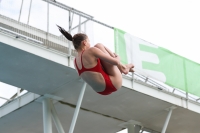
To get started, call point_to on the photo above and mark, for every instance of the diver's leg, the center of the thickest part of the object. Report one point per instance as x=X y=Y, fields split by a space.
x=112 y=70
x=129 y=67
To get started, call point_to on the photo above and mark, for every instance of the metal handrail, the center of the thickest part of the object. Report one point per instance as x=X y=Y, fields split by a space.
x=149 y=81
x=88 y=17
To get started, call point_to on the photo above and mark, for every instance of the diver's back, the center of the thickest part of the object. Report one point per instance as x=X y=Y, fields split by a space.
x=89 y=68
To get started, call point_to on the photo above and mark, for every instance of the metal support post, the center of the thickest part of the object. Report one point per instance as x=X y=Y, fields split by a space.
x=56 y=119
x=70 y=26
x=167 y=119
x=69 y=21
x=77 y=108
x=18 y=92
x=85 y=29
x=187 y=99
x=49 y=112
x=47 y=18
x=47 y=115
x=79 y=25
x=69 y=43
x=146 y=79
x=29 y=11
x=132 y=126
x=132 y=80
x=20 y=10
x=47 y=33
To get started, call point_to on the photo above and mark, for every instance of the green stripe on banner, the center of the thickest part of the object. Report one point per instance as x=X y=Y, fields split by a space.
x=192 y=72
x=158 y=63
x=179 y=71
x=174 y=73
x=120 y=45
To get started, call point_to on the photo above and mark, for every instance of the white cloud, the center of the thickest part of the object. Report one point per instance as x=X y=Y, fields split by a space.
x=6 y=91
x=10 y=8
x=171 y=24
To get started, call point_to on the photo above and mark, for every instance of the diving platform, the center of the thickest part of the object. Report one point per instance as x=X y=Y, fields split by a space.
x=134 y=101
x=42 y=64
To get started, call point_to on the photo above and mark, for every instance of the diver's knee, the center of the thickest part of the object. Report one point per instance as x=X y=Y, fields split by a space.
x=99 y=45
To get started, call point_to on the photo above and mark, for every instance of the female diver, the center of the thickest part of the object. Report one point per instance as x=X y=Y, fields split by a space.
x=97 y=65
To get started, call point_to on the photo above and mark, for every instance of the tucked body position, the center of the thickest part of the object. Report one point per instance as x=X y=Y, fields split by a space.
x=97 y=66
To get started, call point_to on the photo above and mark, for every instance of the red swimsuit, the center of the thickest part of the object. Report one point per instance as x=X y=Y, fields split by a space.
x=98 y=68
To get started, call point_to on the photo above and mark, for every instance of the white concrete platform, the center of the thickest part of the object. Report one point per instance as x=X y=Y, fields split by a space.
x=42 y=71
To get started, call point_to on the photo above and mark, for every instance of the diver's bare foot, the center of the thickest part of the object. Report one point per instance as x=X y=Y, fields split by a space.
x=123 y=68
x=130 y=67
x=131 y=70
